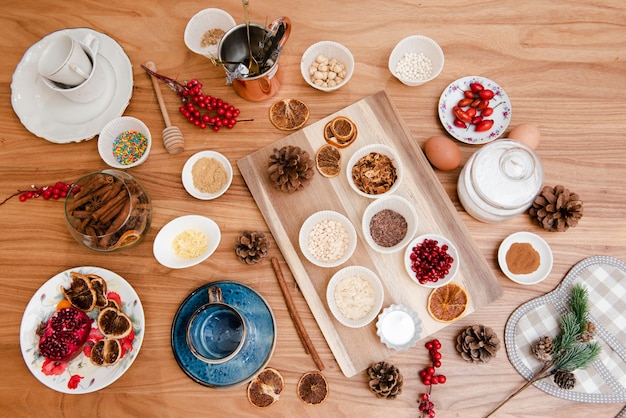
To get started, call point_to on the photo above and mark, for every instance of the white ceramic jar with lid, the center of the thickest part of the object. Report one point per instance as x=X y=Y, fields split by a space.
x=500 y=180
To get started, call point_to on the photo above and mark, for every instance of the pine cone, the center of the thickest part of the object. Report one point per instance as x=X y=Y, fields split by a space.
x=556 y=209
x=385 y=380
x=252 y=247
x=477 y=344
x=290 y=169
x=565 y=379
x=543 y=349
x=589 y=332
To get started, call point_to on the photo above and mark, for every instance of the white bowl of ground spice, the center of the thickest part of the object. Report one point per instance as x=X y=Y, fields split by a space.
x=525 y=258
x=389 y=224
x=207 y=175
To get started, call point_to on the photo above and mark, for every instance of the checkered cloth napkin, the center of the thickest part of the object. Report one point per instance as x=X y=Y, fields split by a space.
x=605 y=380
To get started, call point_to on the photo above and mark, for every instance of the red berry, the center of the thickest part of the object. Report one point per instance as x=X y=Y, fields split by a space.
x=442 y=378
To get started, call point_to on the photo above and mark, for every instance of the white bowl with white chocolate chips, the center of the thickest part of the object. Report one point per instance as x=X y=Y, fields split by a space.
x=327 y=65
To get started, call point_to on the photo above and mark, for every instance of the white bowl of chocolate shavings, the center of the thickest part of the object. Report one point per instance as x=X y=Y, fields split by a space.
x=389 y=224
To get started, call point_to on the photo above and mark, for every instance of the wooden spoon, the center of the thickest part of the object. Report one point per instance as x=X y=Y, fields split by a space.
x=172 y=136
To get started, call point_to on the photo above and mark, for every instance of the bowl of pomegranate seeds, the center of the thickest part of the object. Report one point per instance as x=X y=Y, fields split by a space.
x=431 y=260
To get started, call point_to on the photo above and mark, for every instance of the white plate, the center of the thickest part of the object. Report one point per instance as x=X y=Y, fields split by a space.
x=441 y=240
x=373 y=280
x=163 y=250
x=540 y=245
x=53 y=117
x=43 y=304
x=188 y=178
x=501 y=115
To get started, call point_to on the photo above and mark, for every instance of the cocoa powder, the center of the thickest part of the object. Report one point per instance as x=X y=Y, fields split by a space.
x=522 y=258
x=388 y=228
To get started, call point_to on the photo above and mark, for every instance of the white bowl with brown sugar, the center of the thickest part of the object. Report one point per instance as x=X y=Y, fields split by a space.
x=207 y=175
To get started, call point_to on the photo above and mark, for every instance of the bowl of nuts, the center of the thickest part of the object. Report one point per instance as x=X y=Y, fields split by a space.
x=431 y=260
x=205 y=30
x=327 y=65
x=327 y=238
x=374 y=171
x=415 y=60
x=389 y=224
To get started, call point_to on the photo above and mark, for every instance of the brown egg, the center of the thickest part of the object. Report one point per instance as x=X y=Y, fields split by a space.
x=527 y=134
x=442 y=152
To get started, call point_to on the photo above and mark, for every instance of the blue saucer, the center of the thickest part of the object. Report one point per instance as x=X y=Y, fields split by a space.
x=256 y=351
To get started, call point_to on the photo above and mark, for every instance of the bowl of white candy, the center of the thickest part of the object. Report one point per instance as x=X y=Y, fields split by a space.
x=416 y=60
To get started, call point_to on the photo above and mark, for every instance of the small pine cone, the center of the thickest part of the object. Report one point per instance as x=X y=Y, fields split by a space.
x=589 y=332
x=543 y=349
x=385 y=380
x=556 y=209
x=252 y=247
x=290 y=169
x=565 y=379
x=477 y=344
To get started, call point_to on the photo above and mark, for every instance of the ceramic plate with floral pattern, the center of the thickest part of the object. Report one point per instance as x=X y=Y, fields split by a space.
x=80 y=375
x=500 y=104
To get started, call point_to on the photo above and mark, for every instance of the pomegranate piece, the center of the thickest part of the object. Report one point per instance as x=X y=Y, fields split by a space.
x=64 y=335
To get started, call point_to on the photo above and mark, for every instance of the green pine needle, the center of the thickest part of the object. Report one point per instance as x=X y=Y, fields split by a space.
x=579 y=306
x=579 y=356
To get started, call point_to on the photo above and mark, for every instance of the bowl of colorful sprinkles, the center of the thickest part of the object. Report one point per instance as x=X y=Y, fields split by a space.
x=124 y=142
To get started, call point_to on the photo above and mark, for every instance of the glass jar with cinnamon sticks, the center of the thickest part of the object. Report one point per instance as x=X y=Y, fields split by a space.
x=108 y=211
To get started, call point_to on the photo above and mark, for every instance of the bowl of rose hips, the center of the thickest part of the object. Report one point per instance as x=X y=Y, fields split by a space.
x=416 y=60
x=431 y=260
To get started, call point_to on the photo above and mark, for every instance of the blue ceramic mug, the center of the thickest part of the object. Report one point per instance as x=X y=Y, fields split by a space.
x=216 y=331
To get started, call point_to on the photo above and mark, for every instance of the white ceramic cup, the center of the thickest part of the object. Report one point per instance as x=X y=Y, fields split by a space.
x=92 y=86
x=64 y=61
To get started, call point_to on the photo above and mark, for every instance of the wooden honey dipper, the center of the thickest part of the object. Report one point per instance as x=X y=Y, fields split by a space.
x=172 y=136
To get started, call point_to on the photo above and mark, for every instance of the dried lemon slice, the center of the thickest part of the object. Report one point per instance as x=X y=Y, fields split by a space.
x=328 y=160
x=289 y=114
x=312 y=388
x=448 y=302
x=265 y=389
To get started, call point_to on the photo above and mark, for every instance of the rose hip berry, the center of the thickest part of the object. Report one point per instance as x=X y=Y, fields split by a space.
x=429 y=378
x=430 y=262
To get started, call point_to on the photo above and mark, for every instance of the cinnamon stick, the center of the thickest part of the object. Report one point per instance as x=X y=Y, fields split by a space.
x=295 y=317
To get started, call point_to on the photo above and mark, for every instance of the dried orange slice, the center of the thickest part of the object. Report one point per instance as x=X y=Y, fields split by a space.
x=106 y=352
x=114 y=323
x=448 y=302
x=127 y=238
x=289 y=114
x=312 y=388
x=328 y=160
x=265 y=389
x=340 y=132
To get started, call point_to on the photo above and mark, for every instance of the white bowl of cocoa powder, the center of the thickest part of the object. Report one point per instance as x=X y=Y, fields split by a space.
x=389 y=224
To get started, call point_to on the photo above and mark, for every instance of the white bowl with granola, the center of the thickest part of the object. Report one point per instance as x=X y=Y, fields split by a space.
x=205 y=30
x=374 y=171
x=327 y=65
x=355 y=295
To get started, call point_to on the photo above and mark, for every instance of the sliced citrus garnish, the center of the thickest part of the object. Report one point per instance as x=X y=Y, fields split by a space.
x=448 y=302
x=328 y=160
x=106 y=352
x=81 y=293
x=289 y=114
x=114 y=323
x=340 y=132
x=312 y=388
x=265 y=389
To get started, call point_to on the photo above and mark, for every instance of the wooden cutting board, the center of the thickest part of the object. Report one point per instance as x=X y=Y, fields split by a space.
x=377 y=122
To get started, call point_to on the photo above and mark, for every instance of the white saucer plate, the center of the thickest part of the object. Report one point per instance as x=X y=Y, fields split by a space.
x=164 y=251
x=500 y=103
x=51 y=116
x=540 y=245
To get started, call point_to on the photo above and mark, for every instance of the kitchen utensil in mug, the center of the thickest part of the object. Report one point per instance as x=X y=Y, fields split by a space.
x=233 y=51
x=173 y=139
x=64 y=61
x=93 y=83
x=216 y=331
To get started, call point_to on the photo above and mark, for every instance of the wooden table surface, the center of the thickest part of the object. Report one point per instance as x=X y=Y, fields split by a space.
x=561 y=63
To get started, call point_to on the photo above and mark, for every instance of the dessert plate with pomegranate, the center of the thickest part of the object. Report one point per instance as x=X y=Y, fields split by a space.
x=82 y=330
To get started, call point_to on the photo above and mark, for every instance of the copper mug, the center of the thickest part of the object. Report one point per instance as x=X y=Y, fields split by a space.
x=233 y=52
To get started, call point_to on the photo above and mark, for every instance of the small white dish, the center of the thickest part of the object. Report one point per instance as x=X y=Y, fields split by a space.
x=187 y=176
x=163 y=242
x=108 y=142
x=417 y=44
x=501 y=115
x=397 y=204
x=441 y=240
x=315 y=219
x=399 y=327
x=53 y=117
x=330 y=50
x=380 y=149
x=204 y=21
x=540 y=245
x=376 y=287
